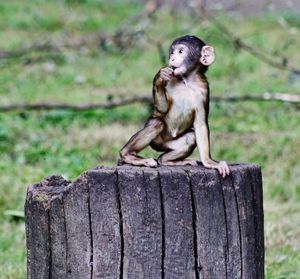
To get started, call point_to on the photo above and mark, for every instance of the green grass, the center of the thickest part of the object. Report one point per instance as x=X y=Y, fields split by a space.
x=34 y=145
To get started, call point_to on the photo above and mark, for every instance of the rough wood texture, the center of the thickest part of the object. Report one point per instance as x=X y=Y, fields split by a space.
x=130 y=222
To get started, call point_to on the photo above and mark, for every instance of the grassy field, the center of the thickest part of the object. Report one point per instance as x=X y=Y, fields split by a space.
x=34 y=145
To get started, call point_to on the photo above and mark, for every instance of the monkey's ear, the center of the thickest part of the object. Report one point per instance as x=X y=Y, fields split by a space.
x=207 y=55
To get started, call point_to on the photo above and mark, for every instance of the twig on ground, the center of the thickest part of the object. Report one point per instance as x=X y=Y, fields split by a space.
x=277 y=62
x=123 y=36
x=52 y=106
x=280 y=97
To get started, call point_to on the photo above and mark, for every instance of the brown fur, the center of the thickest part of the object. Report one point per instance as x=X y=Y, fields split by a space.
x=179 y=122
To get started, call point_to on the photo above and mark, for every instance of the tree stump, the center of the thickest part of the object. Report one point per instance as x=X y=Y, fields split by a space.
x=132 y=222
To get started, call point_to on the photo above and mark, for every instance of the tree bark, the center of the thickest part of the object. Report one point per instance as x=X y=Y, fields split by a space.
x=131 y=222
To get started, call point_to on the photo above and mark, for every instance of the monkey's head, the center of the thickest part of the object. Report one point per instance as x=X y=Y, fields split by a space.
x=188 y=52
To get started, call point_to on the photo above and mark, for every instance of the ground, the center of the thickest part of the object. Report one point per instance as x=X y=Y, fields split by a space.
x=34 y=145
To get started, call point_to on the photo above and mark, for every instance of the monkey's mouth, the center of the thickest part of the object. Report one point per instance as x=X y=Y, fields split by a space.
x=173 y=65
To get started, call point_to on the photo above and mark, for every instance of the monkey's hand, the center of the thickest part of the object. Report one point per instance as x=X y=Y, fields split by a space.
x=221 y=166
x=164 y=76
x=180 y=71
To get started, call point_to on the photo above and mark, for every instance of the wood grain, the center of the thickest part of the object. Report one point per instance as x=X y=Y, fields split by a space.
x=160 y=223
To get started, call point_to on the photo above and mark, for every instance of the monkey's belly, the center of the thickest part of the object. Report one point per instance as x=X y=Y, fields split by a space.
x=178 y=122
x=183 y=103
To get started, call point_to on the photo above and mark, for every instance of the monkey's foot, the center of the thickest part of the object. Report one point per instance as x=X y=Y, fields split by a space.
x=137 y=161
x=179 y=163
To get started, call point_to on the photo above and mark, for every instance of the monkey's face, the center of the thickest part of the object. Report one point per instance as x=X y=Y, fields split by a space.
x=178 y=57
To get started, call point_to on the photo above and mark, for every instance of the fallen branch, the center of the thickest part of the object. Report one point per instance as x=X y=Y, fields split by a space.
x=96 y=38
x=47 y=106
x=122 y=37
x=281 y=63
x=279 y=97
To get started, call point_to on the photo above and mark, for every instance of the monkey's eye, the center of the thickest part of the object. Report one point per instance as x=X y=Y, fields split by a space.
x=181 y=50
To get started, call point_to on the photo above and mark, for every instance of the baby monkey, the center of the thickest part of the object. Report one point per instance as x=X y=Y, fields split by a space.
x=179 y=122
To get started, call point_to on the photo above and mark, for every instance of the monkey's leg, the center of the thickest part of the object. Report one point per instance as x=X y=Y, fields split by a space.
x=179 y=149
x=139 y=141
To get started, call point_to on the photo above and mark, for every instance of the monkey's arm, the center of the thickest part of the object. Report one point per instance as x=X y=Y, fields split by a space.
x=202 y=138
x=159 y=89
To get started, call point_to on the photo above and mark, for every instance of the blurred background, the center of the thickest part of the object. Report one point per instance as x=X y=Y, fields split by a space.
x=75 y=84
